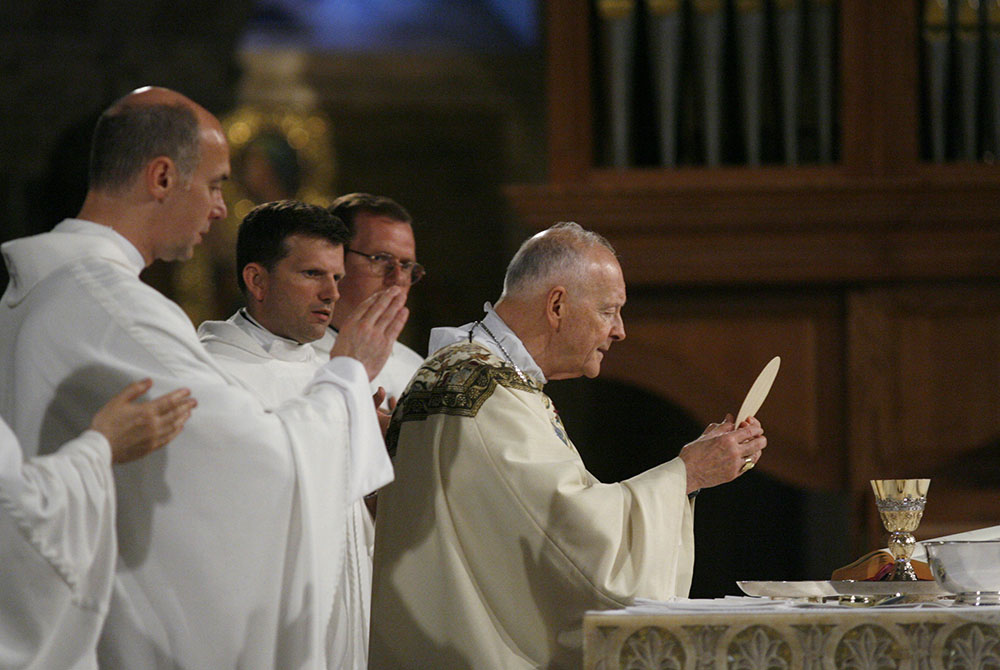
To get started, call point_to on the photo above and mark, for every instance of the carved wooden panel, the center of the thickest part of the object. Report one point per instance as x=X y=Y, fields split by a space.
x=792 y=226
x=924 y=399
x=702 y=351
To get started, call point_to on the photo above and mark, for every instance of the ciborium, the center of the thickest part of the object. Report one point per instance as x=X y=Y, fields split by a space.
x=901 y=503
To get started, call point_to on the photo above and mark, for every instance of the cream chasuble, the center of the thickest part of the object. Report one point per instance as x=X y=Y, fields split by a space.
x=57 y=552
x=494 y=539
x=225 y=535
x=275 y=369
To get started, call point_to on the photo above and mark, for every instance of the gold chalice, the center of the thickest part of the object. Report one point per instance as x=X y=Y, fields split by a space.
x=901 y=503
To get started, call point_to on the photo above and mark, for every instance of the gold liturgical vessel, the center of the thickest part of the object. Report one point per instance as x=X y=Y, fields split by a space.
x=901 y=503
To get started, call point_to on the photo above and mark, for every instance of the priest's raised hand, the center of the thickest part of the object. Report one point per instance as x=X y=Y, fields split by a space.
x=722 y=453
x=372 y=328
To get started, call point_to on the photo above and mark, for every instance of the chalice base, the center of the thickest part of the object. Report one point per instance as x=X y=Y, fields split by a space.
x=903 y=571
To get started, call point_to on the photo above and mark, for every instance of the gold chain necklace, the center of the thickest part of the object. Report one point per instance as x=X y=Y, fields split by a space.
x=502 y=348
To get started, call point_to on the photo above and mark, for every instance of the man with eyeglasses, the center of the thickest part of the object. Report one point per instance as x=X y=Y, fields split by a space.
x=290 y=256
x=381 y=253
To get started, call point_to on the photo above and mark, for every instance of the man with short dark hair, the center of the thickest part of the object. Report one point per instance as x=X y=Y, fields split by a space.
x=381 y=253
x=290 y=257
x=494 y=539
x=274 y=232
x=224 y=542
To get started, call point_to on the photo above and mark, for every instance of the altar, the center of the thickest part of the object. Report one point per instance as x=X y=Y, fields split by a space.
x=761 y=634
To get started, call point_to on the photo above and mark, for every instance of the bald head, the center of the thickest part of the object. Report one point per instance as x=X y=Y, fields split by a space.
x=157 y=167
x=145 y=124
x=557 y=255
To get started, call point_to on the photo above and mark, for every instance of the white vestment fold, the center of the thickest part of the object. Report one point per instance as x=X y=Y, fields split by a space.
x=275 y=369
x=494 y=539
x=399 y=368
x=57 y=552
x=225 y=536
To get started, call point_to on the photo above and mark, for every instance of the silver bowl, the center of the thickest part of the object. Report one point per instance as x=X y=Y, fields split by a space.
x=970 y=569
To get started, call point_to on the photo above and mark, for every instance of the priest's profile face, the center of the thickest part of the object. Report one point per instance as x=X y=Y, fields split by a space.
x=195 y=203
x=592 y=317
x=295 y=298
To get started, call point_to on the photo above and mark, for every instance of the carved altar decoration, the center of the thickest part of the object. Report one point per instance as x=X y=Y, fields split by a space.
x=782 y=637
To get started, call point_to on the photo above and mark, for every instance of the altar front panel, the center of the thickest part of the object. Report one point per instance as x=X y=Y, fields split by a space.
x=821 y=638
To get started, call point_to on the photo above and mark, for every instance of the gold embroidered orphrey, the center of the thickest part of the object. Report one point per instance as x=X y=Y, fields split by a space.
x=457 y=380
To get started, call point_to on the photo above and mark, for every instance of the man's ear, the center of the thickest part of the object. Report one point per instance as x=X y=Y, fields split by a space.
x=160 y=177
x=255 y=277
x=555 y=306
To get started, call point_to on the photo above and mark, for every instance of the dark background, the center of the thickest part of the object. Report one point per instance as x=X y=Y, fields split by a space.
x=438 y=112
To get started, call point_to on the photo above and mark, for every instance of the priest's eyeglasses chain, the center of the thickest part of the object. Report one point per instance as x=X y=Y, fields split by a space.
x=502 y=348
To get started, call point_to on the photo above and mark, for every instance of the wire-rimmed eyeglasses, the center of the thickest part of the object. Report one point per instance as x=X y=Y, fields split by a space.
x=384 y=263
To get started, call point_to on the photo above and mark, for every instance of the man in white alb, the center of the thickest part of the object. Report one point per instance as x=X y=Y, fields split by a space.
x=493 y=540
x=57 y=530
x=290 y=257
x=382 y=252
x=224 y=539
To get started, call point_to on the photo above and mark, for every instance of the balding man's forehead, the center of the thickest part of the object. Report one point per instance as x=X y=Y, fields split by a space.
x=157 y=95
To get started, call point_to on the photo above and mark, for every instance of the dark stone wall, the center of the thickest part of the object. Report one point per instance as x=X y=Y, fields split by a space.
x=440 y=132
x=61 y=63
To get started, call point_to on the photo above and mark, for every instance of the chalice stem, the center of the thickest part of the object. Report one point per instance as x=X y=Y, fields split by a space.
x=901 y=545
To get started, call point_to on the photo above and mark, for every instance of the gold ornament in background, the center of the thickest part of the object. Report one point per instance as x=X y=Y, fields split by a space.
x=276 y=153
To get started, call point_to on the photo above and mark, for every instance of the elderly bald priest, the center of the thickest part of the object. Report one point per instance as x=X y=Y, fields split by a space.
x=494 y=539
